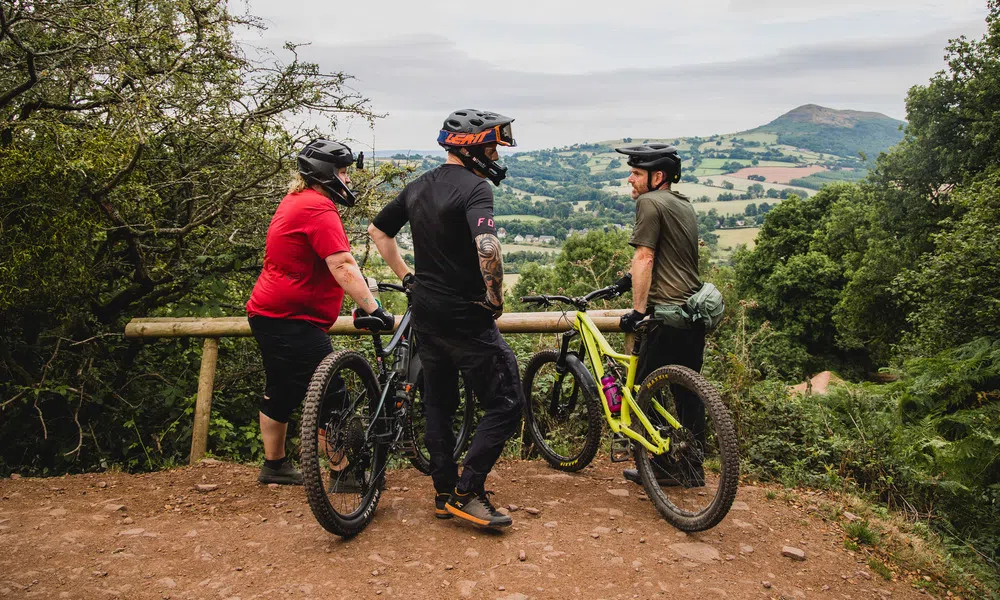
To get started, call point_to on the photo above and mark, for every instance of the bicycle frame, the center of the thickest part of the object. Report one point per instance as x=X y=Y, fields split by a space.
x=597 y=348
x=387 y=376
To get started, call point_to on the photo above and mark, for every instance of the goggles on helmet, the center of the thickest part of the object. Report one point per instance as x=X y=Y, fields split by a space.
x=501 y=135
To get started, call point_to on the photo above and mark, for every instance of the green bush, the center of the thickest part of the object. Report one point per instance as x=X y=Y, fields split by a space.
x=929 y=443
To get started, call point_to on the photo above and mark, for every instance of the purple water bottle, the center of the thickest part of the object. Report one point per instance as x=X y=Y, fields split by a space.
x=611 y=394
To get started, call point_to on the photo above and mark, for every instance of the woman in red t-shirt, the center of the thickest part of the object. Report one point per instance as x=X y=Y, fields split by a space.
x=307 y=268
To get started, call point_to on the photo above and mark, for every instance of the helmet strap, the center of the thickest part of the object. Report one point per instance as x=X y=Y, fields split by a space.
x=474 y=158
x=649 y=180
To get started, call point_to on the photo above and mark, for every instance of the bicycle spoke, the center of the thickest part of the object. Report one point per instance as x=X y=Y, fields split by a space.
x=693 y=484
x=564 y=424
x=341 y=463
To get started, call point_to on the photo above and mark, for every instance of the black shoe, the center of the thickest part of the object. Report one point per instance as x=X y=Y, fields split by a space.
x=476 y=508
x=440 y=510
x=286 y=474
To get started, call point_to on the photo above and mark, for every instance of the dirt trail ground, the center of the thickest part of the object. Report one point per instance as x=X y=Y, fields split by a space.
x=113 y=535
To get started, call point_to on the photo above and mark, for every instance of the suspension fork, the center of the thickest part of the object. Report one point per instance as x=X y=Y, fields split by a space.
x=561 y=369
x=567 y=338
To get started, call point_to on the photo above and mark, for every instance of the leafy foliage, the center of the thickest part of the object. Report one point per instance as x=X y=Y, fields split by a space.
x=141 y=154
x=956 y=291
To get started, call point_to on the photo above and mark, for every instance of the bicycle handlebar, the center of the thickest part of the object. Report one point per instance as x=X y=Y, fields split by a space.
x=580 y=302
x=390 y=287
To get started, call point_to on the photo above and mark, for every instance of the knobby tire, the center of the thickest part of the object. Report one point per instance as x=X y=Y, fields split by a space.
x=352 y=523
x=584 y=394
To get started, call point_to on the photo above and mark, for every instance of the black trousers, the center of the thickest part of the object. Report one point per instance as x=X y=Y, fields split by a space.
x=291 y=350
x=490 y=370
x=665 y=345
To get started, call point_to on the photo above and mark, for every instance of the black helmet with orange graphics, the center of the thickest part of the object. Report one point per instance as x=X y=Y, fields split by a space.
x=467 y=132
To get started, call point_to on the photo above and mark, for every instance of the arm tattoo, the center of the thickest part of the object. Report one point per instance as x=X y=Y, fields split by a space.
x=491 y=264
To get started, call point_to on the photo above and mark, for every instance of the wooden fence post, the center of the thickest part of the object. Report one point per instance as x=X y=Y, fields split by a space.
x=629 y=342
x=203 y=405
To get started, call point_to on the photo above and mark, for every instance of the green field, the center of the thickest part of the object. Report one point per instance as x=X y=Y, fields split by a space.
x=510 y=280
x=525 y=218
x=733 y=207
x=512 y=247
x=534 y=197
x=694 y=190
x=774 y=163
x=702 y=172
x=763 y=138
x=742 y=185
x=716 y=163
x=731 y=238
x=805 y=155
x=710 y=146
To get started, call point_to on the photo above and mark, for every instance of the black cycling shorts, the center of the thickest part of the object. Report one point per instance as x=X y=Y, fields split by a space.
x=291 y=350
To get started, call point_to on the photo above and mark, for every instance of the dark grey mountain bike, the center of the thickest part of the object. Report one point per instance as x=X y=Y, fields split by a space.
x=353 y=420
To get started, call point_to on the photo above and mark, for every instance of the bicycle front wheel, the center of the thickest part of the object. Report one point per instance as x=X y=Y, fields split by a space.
x=343 y=464
x=692 y=485
x=562 y=414
x=462 y=423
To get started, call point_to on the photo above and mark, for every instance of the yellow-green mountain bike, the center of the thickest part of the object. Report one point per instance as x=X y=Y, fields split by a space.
x=690 y=473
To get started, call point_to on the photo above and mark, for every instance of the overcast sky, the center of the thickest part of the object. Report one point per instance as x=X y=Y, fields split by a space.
x=586 y=71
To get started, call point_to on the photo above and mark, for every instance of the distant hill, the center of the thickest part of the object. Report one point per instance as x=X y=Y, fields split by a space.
x=438 y=152
x=831 y=131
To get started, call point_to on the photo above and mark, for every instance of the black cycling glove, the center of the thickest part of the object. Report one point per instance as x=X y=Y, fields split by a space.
x=629 y=320
x=623 y=285
x=386 y=317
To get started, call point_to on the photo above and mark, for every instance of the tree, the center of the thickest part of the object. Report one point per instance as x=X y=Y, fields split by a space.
x=586 y=262
x=955 y=291
x=141 y=155
x=952 y=131
x=728 y=185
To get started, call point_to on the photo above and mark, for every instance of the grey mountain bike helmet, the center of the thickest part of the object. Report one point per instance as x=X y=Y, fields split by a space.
x=652 y=158
x=472 y=129
x=318 y=164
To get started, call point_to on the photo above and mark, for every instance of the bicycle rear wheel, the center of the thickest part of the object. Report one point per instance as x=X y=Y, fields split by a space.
x=694 y=484
x=342 y=463
x=562 y=414
x=462 y=424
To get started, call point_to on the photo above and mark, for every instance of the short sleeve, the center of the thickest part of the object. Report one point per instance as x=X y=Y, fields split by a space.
x=647 y=224
x=479 y=211
x=326 y=233
x=393 y=216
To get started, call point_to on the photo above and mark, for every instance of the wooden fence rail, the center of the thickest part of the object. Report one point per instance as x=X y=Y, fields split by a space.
x=214 y=328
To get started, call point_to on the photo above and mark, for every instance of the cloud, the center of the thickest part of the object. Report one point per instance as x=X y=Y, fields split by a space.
x=419 y=79
x=589 y=71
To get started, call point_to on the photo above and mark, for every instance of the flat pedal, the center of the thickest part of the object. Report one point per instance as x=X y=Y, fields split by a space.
x=621 y=448
x=407 y=449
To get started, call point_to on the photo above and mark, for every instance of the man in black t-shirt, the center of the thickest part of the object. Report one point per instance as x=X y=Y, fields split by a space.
x=457 y=294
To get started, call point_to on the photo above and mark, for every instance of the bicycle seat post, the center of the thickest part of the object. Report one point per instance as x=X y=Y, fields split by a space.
x=633 y=341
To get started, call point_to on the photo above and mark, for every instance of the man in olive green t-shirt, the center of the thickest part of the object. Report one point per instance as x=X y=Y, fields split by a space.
x=665 y=271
